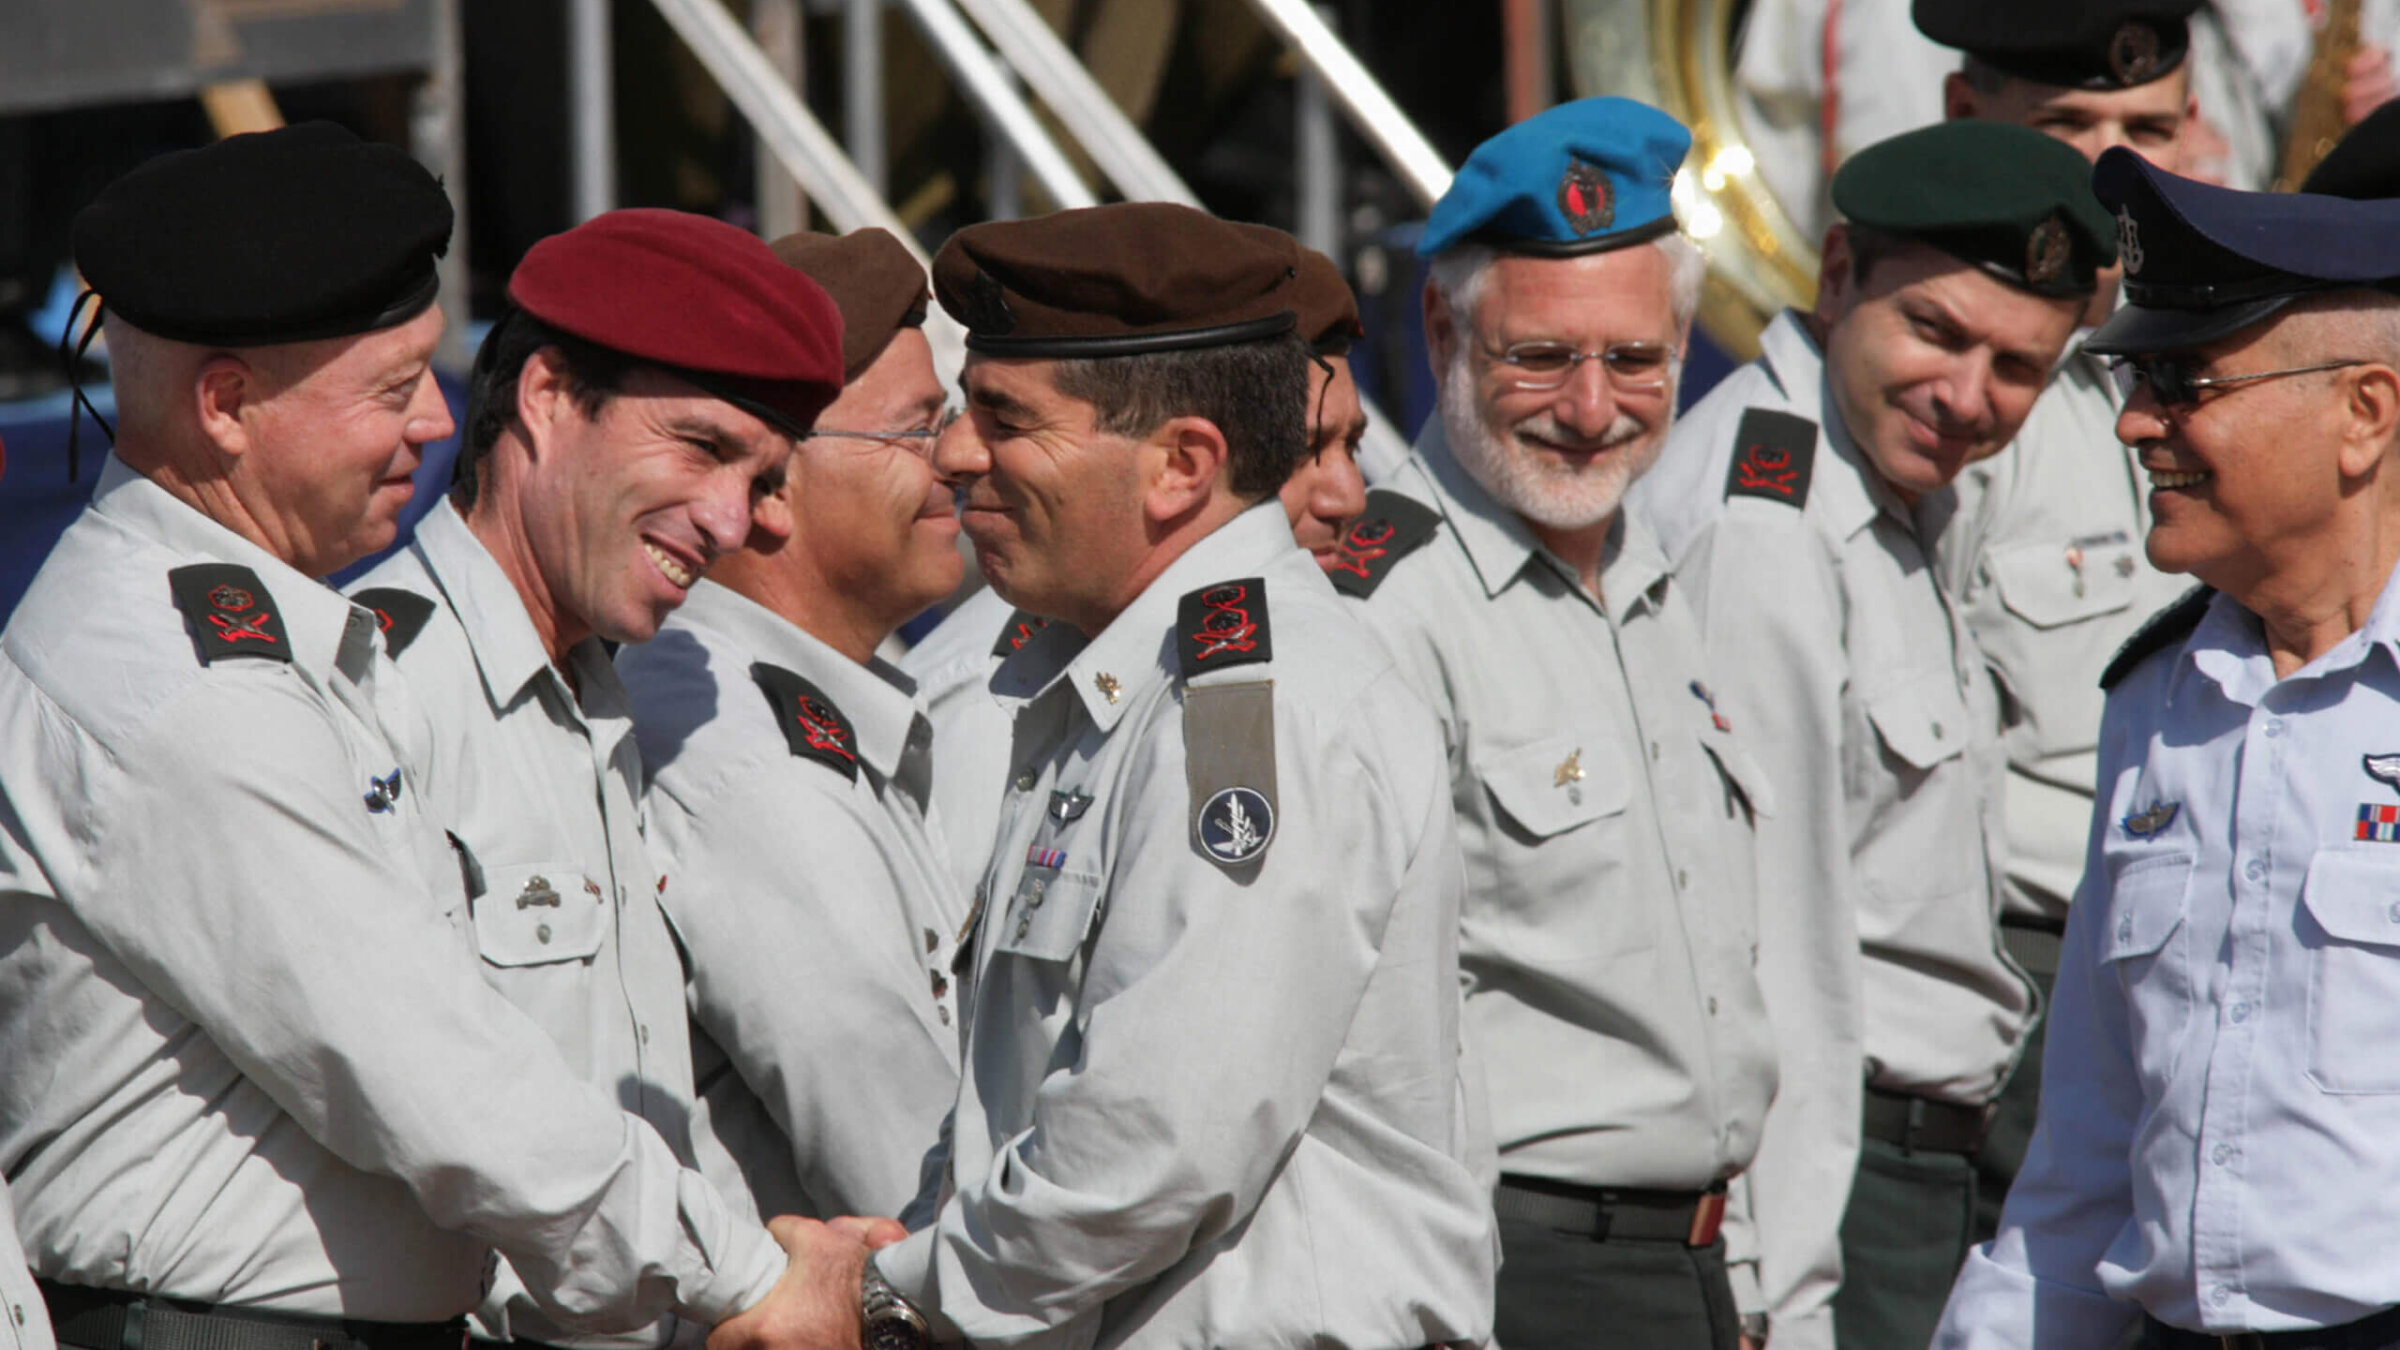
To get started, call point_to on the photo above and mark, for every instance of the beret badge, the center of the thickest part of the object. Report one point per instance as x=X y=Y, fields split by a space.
x=2047 y=251
x=2133 y=54
x=1585 y=198
x=987 y=306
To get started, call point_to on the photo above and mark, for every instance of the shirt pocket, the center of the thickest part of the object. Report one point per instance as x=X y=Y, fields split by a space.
x=2145 y=945
x=1050 y=915
x=1539 y=886
x=1926 y=848
x=2039 y=584
x=1921 y=720
x=2353 y=894
x=539 y=914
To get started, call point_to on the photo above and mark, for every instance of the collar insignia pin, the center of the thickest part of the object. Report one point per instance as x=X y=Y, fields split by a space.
x=1107 y=685
x=1068 y=806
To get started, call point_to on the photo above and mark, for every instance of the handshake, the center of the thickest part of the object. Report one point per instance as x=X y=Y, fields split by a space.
x=816 y=1304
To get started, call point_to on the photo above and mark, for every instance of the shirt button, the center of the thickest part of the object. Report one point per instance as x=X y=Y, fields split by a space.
x=1683 y=880
x=642 y=1033
x=1712 y=1005
x=2255 y=870
x=1937 y=731
x=944 y=1014
x=1025 y=781
x=542 y=931
x=1654 y=752
x=2275 y=726
x=2241 y=1012
x=2125 y=930
x=2221 y=1154
x=2221 y=1295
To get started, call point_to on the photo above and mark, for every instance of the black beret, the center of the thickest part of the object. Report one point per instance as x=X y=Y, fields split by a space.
x=2010 y=200
x=1117 y=280
x=2365 y=163
x=290 y=235
x=2076 y=44
x=874 y=280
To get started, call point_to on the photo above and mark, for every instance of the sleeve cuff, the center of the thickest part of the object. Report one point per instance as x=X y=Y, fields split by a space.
x=744 y=1278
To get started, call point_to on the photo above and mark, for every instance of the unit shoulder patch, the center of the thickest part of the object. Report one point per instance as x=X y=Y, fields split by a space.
x=2165 y=628
x=812 y=726
x=1774 y=455
x=401 y=614
x=229 y=613
x=1020 y=630
x=1222 y=626
x=1392 y=527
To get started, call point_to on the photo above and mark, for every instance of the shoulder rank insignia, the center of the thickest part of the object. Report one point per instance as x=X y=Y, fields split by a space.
x=229 y=612
x=1020 y=630
x=401 y=614
x=2165 y=628
x=1774 y=453
x=812 y=726
x=1221 y=626
x=1391 y=528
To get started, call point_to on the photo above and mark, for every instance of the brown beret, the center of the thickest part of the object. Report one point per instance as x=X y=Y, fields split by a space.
x=1117 y=280
x=873 y=279
x=1328 y=309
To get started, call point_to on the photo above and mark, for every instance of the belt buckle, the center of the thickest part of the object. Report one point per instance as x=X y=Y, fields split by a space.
x=1707 y=1217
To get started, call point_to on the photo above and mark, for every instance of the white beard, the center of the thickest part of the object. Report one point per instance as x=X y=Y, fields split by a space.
x=1544 y=490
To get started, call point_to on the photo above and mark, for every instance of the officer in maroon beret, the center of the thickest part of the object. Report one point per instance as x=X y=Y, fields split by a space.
x=629 y=423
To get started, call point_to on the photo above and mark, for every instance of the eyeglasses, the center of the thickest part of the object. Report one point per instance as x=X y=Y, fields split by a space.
x=915 y=440
x=2170 y=377
x=1635 y=367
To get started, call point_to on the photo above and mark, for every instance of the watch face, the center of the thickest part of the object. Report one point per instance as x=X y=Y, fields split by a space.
x=896 y=1333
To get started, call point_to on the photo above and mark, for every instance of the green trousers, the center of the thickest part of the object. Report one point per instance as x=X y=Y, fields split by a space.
x=1904 y=1236
x=1561 y=1289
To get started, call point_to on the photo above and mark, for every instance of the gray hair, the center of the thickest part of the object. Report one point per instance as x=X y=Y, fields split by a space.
x=1458 y=272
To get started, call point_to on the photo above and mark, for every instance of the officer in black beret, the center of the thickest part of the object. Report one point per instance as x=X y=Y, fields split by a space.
x=2217 y=1151
x=1799 y=501
x=259 y=1096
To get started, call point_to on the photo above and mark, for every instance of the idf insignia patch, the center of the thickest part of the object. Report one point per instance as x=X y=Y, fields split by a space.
x=2150 y=823
x=2378 y=824
x=1392 y=527
x=1020 y=630
x=228 y=612
x=1222 y=626
x=1236 y=825
x=1774 y=454
x=812 y=726
x=401 y=614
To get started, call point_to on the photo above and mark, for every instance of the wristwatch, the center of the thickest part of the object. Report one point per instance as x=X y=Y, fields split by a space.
x=1754 y=1327
x=886 y=1320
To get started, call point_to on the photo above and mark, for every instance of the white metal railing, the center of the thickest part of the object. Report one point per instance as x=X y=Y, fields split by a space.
x=1372 y=112
x=1058 y=77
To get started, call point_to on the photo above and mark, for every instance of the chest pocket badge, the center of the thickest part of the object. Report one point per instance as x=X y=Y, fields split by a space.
x=1052 y=911
x=2050 y=585
x=539 y=914
x=1557 y=783
x=1921 y=720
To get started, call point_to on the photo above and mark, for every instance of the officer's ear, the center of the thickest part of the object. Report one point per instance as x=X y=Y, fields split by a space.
x=1441 y=329
x=1834 y=280
x=2373 y=405
x=544 y=395
x=1187 y=458
x=222 y=389
x=1960 y=102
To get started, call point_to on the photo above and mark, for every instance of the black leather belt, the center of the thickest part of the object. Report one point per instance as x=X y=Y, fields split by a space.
x=2034 y=941
x=2375 y=1331
x=1921 y=1124
x=110 y=1319
x=1614 y=1213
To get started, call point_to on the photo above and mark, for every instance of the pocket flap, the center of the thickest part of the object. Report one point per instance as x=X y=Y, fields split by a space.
x=2042 y=584
x=1558 y=783
x=1921 y=719
x=2354 y=893
x=535 y=914
x=1050 y=915
x=1744 y=773
x=2145 y=905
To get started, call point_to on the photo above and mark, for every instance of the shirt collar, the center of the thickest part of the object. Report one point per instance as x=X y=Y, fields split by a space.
x=1499 y=543
x=325 y=629
x=2229 y=646
x=878 y=701
x=1850 y=496
x=508 y=652
x=1137 y=648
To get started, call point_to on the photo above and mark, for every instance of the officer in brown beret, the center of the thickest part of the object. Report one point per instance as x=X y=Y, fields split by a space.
x=629 y=422
x=1211 y=1091
x=789 y=773
x=953 y=665
x=259 y=1094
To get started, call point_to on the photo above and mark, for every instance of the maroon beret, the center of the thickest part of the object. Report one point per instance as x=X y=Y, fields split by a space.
x=1328 y=309
x=1117 y=280
x=709 y=302
x=878 y=284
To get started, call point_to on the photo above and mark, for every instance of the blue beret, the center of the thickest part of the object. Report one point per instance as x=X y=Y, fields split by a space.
x=1584 y=176
x=2203 y=262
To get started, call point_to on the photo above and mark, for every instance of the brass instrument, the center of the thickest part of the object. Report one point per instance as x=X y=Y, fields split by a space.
x=2317 y=110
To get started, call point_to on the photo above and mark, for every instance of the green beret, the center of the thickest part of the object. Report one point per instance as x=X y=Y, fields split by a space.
x=2010 y=200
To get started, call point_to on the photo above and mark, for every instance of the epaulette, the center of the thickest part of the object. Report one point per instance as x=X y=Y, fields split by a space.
x=229 y=612
x=812 y=726
x=1228 y=725
x=1221 y=626
x=401 y=614
x=1020 y=630
x=1392 y=527
x=1774 y=454
x=2163 y=629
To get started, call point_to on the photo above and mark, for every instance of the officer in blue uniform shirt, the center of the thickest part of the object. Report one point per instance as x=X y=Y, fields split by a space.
x=2220 y=1134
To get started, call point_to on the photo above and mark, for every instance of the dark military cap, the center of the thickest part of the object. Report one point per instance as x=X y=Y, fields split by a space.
x=874 y=280
x=290 y=235
x=2010 y=200
x=1327 y=307
x=1117 y=280
x=2203 y=262
x=2365 y=163
x=2077 y=44
x=1582 y=177
x=707 y=301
